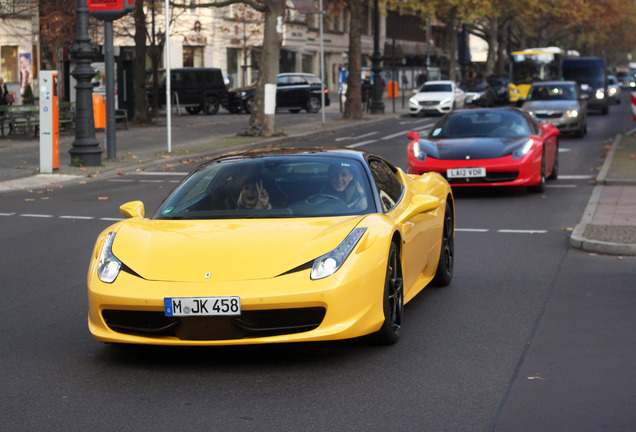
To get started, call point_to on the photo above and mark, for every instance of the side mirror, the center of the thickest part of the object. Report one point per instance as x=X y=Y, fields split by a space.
x=133 y=209
x=419 y=204
x=413 y=136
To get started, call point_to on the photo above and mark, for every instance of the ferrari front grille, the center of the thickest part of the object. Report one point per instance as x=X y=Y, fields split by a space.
x=259 y=323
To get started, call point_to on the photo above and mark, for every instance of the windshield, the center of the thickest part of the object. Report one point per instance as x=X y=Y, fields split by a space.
x=527 y=68
x=271 y=187
x=427 y=88
x=481 y=124
x=552 y=92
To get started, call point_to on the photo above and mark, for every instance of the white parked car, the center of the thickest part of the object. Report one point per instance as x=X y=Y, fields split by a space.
x=437 y=97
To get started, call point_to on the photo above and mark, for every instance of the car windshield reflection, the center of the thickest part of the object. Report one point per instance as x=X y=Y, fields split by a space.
x=271 y=187
x=481 y=124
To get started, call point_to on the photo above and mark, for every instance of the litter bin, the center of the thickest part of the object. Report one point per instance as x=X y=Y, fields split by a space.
x=392 y=89
x=99 y=111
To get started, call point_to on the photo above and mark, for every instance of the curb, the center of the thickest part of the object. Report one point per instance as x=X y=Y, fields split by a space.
x=577 y=238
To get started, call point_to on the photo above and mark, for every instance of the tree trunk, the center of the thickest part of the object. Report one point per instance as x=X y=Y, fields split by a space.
x=260 y=123
x=353 y=104
x=493 y=33
x=141 y=109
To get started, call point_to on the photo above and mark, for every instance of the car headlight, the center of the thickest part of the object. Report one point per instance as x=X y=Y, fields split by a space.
x=418 y=152
x=329 y=263
x=632 y=84
x=518 y=154
x=413 y=101
x=612 y=91
x=445 y=101
x=109 y=266
x=572 y=113
x=600 y=94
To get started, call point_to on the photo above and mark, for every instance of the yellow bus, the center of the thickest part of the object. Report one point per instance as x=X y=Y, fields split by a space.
x=534 y=64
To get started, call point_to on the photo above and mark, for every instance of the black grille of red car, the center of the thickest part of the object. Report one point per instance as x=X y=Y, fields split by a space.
x=491 y=177
x=258 y=323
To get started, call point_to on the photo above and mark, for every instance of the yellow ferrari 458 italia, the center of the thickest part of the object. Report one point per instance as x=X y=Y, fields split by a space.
x=270 y=246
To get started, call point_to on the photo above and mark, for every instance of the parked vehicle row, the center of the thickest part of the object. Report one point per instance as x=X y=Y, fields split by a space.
x=205 y=90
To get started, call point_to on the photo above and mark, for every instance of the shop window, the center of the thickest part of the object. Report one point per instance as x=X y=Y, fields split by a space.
x=9 y=63
x=192 y=56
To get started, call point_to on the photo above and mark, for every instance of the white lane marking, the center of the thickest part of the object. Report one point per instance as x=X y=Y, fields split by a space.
x=160 y=173
x=122 y=180
x=77 y=217
x=399 y=134
x=7 y=214
x=511 y=231
x=556 y=186
x=360 y=144
x=111 y=219
x=564 y=150
x=481 y=230
x=36 y=215
x=355 y=137
x=576 y=177
x=151 y=181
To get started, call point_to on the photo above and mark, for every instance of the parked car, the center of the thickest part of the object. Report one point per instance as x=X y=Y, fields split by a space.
x=614 y=89
x=294 y=92
x=500 y=85
x=589 y=73
x=478 y=93
x=341 y=242
x=487 y=147
x=196 y=89
x=560 y=103
x=438 y=97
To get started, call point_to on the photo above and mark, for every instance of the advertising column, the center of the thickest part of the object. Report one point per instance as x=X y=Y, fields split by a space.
x=49 y=122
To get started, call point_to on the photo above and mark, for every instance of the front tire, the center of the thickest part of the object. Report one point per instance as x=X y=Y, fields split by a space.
x=211 y=105
x=540 y=188
x=393 y=300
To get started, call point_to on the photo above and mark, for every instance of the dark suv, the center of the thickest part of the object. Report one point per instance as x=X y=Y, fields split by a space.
x=589 y=73
x=294 y=92
x=196 y=89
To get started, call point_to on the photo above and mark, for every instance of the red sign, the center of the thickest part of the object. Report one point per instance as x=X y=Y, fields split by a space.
x=109 y=10
x=105 y=5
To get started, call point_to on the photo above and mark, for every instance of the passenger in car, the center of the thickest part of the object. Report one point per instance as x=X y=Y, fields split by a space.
x=254 y=195
x=343 y=185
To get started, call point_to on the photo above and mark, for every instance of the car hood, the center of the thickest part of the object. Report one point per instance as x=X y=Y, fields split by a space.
x=472 y=148
x=431 y=96
x=556 y=105
x=228 y=250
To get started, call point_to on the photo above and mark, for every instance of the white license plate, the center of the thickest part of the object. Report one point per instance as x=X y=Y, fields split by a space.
x=202 y=306
x=466 y=172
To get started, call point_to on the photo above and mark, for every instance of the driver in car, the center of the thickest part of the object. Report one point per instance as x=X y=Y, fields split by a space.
x=254 y=195
x=345 y=187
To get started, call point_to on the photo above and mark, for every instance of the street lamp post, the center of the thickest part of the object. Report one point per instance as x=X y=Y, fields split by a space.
x=85 y=150
x=377 y=106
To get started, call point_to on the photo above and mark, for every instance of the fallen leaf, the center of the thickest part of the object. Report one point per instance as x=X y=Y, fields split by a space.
x=568 y=229
x=631 y=156
x=102 y=198
x=29 y=199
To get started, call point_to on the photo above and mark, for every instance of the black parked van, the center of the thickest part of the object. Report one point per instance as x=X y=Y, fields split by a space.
x=589 y=73
x=196 y=89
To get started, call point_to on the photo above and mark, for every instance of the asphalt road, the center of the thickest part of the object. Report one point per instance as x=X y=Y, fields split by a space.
x=474 y=356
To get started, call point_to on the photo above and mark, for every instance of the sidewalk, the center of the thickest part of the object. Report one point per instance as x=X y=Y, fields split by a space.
x=608 y=225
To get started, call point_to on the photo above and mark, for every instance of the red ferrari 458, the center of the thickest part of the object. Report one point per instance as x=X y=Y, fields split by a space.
x=488 y=147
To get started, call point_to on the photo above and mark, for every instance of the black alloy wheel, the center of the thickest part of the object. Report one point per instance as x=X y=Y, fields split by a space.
x=445 y=266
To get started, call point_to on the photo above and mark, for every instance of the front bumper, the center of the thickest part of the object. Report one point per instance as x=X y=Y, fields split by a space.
x=287 y=308
x=504 y=171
